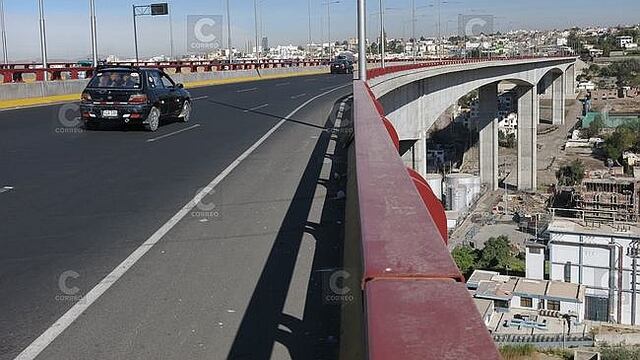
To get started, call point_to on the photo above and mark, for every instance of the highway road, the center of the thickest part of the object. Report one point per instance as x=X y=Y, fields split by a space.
x=205 y=240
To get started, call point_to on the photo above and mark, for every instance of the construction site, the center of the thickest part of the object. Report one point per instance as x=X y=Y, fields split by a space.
x=607 y=200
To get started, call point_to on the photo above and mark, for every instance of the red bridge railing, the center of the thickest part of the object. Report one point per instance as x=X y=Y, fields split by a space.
x=376 y=72
x=415 y=302
x=13 y=73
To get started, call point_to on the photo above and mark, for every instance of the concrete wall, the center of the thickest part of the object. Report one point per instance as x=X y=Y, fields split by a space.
x=53 y=88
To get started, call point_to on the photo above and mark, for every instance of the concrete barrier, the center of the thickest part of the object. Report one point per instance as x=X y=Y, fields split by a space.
x=33 y=90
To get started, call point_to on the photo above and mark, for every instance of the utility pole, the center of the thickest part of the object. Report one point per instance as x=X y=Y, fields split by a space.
x=5 y=52
x=94 y=36
x=362 y=39
x=383 y=41
x=43 y=38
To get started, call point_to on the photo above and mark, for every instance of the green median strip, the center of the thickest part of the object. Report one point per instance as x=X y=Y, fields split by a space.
x=48 y=100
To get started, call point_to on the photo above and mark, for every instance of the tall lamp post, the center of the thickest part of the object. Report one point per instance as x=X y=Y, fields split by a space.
x=43 y=38
x=229 y=32
x=5 y=52
x=94 y=36
x=362 y=40
x=255 y=12
x=383 y=39
x=329 y=3
x=309 y=40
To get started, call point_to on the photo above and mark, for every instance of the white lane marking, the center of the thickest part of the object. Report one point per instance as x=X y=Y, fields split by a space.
x=199 y=98
x=257 y=108
x=174 y=133
x=6 y=189
x=44 y=340
x=298 y=96
x=283 y=84
x=326 y=88
x=247 y=90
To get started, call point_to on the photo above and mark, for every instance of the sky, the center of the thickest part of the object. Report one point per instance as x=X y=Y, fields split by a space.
x=284 y=22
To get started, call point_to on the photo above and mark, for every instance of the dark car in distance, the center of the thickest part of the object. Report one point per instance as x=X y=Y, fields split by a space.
x=341 y=67
x=132 y=95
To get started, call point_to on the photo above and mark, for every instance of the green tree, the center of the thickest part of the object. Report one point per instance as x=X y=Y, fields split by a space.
x=625 y=137
x=496 y=254
x=465 y=257
x=572 y=174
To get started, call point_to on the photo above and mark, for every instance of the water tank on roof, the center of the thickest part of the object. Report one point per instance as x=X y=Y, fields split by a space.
x=435 y=183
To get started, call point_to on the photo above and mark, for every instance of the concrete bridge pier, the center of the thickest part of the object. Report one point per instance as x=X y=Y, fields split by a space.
x=558 y=99
x=488 y=125
x=528 y=117
x=570 y=82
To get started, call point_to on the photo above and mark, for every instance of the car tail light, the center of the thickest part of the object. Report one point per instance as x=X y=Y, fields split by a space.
x=138 y=99
x=86 y=97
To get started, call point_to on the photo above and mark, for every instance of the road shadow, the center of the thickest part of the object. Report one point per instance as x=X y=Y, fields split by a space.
x=317 y=334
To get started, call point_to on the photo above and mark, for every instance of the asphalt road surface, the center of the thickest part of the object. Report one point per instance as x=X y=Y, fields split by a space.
x=205 y=240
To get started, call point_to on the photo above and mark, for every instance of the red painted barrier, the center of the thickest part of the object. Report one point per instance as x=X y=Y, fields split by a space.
x=14 y=72
x=416 y=305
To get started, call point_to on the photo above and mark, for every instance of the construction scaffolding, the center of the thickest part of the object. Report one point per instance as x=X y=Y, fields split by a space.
x=608 y=200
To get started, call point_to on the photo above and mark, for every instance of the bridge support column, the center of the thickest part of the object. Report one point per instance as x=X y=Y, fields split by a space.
x=488 y=124
x=528 y=116
x=570 y=82
x=558 y=94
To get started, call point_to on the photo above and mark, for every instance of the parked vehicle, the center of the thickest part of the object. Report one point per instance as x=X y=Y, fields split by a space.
x=133 y=95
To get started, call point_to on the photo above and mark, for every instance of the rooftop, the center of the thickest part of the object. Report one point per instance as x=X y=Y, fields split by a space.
x=491 y=285
x=576 y=226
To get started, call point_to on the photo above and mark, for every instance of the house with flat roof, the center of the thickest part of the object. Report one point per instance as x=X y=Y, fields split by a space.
x=511 y=292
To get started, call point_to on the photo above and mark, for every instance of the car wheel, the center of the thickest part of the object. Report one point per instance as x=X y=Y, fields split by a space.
x=153 y=120
x=185 y=115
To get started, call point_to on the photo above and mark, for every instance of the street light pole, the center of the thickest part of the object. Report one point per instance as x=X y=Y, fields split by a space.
x=255 y=11
x=229 y=32
x=135 y=34
x=383 y=41
x=94 y=35
x=413 y=29
x=329 y=27
x=43 y=37
x=171 y=45
x=362 y=39
x=5 y=52
x=309 y=40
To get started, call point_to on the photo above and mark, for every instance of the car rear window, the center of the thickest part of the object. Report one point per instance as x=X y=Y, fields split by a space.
x=116 y=79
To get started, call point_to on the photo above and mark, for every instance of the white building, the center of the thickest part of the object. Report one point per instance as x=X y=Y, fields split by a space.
x=512 y=293
x=586 y=85
x=623 y=41
x=595 y=257
x=509 y=124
